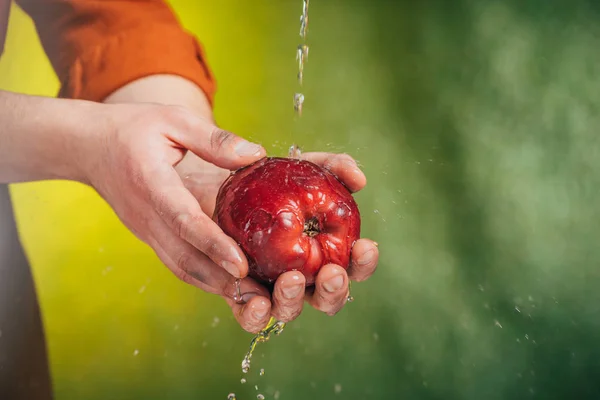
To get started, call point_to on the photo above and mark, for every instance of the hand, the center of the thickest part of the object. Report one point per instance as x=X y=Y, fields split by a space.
x=132 y=166
x=203 y=179
x=331 y=289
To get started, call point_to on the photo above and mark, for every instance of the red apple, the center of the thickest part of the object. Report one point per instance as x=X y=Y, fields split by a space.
x=288 y=215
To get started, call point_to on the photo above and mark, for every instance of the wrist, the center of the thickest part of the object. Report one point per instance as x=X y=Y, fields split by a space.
x=44 y=138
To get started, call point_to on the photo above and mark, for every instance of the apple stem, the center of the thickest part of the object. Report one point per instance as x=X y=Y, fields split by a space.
x=311 y=227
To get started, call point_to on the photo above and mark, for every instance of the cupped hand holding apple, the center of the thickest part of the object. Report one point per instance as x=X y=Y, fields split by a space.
x=326 y=287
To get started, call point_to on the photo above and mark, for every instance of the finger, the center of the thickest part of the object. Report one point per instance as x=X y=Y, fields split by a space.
x=250 y=304
x=253 y=315
x=183 y=215
x=247 y=299
x=188 y=263
x=213 y=144
x=251 y=310
x=190 y=269
x=288 y=296
x=341 y=165
x=331 y=290
x=365 y=256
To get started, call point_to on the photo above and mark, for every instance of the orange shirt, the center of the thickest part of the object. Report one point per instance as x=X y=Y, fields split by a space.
x=97 y=46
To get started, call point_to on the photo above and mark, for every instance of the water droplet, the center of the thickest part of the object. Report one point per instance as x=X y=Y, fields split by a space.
x=262 y=372
x=498 y=324
x=298 y=103
x=243 y=380
x=246 y=365
x=256 y=387
x=231 y=396
x=237 y=293
x=350 y=298
x=276 y=395
x=142 y=289
x=376 y=337
x=260 y=397
x=337 y=388
x=136 y=352
x=517 y=309
x=215 y=322
x=294 y=152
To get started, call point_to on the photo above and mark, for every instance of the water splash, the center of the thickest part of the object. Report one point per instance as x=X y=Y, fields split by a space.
x=274 y=327
x=262 y=372
x=294 y=151
x=231 y=396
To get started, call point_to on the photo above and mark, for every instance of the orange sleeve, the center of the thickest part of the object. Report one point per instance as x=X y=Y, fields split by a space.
x=97 y=46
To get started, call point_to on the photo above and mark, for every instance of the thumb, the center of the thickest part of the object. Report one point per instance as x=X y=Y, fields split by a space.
x=215 y=145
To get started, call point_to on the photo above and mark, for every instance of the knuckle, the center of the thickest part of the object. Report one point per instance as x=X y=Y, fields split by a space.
x=181 y=224
x=287 y=311
x=332 y=312
x=183 y=261
x=210 y=247
x=288 y=314
x=338 y=161
x=183 y=275
x=219 y=138
x=346 y=158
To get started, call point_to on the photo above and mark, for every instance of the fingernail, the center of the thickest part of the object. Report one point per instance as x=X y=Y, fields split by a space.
x=246 y=149
x=376 y=244
x=365 y=258
x=291 y=292
x=334 y=283
x=231 y=268
x=260 y=310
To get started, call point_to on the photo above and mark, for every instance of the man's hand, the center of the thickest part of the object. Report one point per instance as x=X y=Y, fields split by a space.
x=132 y=166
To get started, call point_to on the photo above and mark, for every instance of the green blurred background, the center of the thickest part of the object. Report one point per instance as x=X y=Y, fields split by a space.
x=477 y=125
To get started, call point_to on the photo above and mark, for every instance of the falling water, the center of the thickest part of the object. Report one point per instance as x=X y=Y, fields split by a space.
x=276 y=327
x=301 y=57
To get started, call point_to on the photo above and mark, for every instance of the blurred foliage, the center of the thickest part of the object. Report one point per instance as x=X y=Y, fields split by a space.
x=477 y=125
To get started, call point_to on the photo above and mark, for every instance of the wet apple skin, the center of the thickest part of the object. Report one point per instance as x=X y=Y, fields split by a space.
x=288 y=215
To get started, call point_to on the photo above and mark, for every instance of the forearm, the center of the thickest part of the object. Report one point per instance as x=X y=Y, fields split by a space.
x=41 y=138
